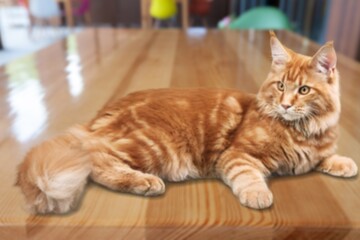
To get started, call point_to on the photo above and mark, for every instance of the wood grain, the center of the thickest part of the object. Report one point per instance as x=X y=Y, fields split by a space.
x=43 y=94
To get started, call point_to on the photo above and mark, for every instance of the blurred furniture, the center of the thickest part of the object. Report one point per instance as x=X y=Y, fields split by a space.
x=320 y=20
x=44 y=11
x=127 y=13
x=201 y=9
x=162 y=9
x=83 y=10
x=68 y=12
x=313 y=206
x=146 y=21
x=261 y=18
x=5 y=3
x=15 y=23
x=344 y=27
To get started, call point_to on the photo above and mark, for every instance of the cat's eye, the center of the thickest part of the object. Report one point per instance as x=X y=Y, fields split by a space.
x=304 y=90
x=281 y=86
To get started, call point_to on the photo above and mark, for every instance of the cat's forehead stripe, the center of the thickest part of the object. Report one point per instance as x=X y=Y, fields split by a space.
x=295 y=73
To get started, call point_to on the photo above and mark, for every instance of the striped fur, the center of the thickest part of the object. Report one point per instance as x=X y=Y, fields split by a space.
x=168 y=134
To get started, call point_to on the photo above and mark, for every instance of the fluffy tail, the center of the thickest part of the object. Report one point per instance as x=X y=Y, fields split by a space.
x=54 y=174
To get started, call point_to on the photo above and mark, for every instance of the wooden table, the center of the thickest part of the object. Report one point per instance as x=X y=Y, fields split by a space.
x=43 y=94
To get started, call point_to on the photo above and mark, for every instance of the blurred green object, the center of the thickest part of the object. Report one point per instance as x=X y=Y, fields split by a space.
x=261 y=18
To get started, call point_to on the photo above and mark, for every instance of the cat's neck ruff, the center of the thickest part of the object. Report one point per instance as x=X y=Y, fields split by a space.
x=307 y=127
x=316 y=127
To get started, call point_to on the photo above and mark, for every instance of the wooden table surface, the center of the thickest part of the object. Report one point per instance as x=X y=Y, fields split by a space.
x=43 y=94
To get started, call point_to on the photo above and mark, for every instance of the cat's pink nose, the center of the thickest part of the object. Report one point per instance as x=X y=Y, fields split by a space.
x=286 y=106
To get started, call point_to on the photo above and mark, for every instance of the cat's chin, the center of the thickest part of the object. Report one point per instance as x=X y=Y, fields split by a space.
x=289 y=117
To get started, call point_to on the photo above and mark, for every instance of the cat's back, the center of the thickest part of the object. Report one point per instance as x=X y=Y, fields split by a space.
x=185 y=99
x=193 y=126
x=185 y=106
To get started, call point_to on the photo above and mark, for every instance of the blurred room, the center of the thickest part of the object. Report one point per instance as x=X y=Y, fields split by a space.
x=29 y=25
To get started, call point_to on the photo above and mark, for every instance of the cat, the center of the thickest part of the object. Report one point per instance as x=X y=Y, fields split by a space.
x=288 y=128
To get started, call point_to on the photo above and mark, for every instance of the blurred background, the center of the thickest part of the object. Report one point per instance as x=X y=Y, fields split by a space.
x=29 y=25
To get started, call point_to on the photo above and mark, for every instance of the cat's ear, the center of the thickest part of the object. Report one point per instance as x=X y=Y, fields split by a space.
x=280 y=55
x=324 y=60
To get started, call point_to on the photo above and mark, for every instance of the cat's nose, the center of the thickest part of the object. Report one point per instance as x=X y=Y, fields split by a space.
x=286 y=106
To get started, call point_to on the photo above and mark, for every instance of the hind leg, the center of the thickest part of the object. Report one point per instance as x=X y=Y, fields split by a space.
x=116 y=175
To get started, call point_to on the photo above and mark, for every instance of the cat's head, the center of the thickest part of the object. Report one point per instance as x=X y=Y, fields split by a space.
x=302 y=89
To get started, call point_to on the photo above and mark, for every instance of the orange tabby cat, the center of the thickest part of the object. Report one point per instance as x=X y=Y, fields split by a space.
x=289 y=127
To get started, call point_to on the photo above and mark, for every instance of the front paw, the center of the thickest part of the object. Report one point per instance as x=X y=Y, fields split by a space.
x=339 y=166
x=257 y=198
x=149 y=185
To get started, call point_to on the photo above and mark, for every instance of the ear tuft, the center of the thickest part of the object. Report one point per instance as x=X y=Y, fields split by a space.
x=325 y=59
x=279 y=53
